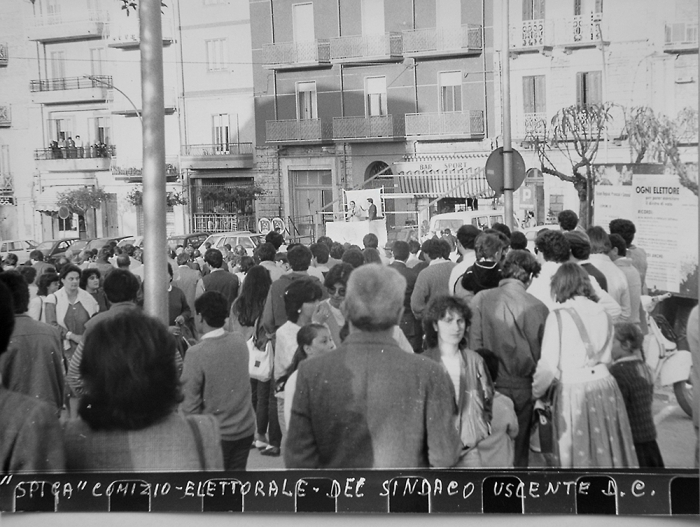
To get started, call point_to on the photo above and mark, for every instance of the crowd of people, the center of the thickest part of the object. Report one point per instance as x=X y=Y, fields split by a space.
x=393 y=358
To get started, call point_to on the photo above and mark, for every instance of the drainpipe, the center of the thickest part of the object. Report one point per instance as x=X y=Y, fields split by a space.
x=483 y=61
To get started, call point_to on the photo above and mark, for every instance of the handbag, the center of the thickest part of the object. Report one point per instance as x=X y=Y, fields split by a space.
x=542 y=430
x=259 y=361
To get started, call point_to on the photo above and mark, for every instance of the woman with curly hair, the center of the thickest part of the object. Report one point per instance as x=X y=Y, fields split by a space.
x=446 y=323
x=90 y=282
x=591 y=426
x=128 y=415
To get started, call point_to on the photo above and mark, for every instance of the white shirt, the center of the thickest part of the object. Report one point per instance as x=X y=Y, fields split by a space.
x=458 y=270
x=617 y=283
x=213 y=334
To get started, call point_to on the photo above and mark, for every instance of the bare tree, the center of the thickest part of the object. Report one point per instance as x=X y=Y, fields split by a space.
x=658 y=139
x=576 y=132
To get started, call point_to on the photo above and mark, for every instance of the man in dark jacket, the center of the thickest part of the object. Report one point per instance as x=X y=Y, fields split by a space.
x=218 y=279
x=410 y=326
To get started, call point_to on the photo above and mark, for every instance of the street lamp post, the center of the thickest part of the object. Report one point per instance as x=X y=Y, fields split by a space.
x=110 y=85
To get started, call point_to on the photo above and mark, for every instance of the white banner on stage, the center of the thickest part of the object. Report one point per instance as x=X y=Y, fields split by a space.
x=357 y=204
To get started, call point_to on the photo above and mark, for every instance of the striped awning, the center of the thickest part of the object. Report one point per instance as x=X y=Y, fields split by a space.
x=445 y=176
x=46 y=202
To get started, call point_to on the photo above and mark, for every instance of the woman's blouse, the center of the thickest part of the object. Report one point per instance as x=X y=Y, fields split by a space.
x=76 y=317
x=573 y=356
x=285 y=347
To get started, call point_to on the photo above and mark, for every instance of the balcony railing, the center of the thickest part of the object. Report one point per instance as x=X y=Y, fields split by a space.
x=76 y=152
x=298 y=130
x=5 y=115
x=207 y=222
x=681 y=36
x=68 y=26
x=125 y=34
x=4 y=54
x=582 y=31
x=69 y=83
x=469 y=123
x=530 y=126
x=374 y=127
x=532 y=34
x=223 y=149
x=297 y=54
x=370 y=47
x=443 y=41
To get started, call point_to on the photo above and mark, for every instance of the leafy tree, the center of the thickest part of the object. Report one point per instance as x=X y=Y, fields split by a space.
x=80 y=200
x=135 y=197
x=576 y=132
x=128 y=5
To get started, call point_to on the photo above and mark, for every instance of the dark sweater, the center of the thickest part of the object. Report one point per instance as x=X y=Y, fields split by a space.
x=636 y=383
x=482 y=275
x=223 y=282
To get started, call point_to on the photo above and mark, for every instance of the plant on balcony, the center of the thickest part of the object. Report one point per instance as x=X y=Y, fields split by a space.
x=219 y=194
x=80 y=200
x=576 y=132
x=656 y=138
x=135 y=197
x=128 y=5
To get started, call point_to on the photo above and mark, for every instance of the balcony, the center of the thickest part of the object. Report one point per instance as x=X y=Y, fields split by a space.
x=292 y=131
x=681 y=37
x=68 y=26
x=297 y=55
x=87 y=158
x=217 y=156
x=532 y=36
x=456 y=125
x=371 y=48
x=7 y=190
x=4 y=54
x=5 y=116
x=122 y=106
x=582 y=31
x=443 y=42
x=125 y=34
x=529 y=126
x=70 y=90
x=378 y=127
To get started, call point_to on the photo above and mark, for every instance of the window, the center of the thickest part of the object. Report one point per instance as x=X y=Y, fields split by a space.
x=306 y=101
x=303 y=22
x=217 y=57
x=375 y=99
x=96 y=56
x=221 y=132
x=589 y=87
x=58 y=59
x=534 y=94
x=449 y=13
x=372 y=17
x=99 y=130
x=533 y=9
x=60 y=129
x=582 y=7
x=450 y=91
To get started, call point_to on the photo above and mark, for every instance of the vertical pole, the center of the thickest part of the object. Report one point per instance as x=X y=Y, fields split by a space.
x=156 y=276
x=507 y=148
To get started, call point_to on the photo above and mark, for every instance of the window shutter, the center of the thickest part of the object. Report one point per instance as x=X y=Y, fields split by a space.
x=598 y=6
x=580 y=79
x=577 y=7
x=527 y=10
x=594 y=87
x=528 y=95
x=540 y=95
x=538 y=10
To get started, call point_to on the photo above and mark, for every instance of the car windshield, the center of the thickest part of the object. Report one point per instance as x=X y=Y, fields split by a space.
x=79 y=245
x=45 y=246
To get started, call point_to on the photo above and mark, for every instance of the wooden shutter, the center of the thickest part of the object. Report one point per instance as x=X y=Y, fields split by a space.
x=594 y=87
x=538 y=9
x=580 y=76
x=598 y=6
x=540 y=95
x=577 y=7
x=528 y=94
x=527 y=10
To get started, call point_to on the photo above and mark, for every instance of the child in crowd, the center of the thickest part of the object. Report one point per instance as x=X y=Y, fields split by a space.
x=497 y=449
x=636 y=383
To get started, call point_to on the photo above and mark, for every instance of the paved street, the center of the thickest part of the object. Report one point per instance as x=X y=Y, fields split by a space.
x=675 y=436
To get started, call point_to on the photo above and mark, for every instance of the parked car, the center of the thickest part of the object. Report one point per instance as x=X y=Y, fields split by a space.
x=54 y=249
x=21 y=248
x=136 y=241
x=246 y=239
x=194 y=239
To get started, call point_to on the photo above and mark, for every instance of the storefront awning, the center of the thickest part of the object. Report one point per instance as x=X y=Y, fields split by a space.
x=444 y=176
x=46 y=202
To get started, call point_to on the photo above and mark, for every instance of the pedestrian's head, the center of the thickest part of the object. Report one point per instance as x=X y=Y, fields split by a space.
x=446 y=320
x=10 y=260
x=48 y=284
x=275 y=238
x=123 y=261
x=491 y=362
x=301 y=299
x=326 y=240
x=374 y=298
x=265 y=252
x=129 y=373
x=353 y=257
x=502 y=227
x=36 y=255
x=432 y=248
x=214 y=258
x=466 y=236
x=489 y=246
x=628 y=340
x=336 y=282
x=518 y=241
x=552 y=245
x=413 y=246
x=624 y=228
x=579 y=244
x=320 y=252
x=600 y=241
x=7 y=316
x=18 y=289
x=371 y=255
x=370 y=240
x=212 y=308
x=337 y=250
x=400 y=250
x=314 y=340
x=88 y=276
x=571 y=280
x=568 y=220
x=183 y=258
x=299 y=257
x=105 y=253
x=446 y=248
x=121 y=285
x=28 y=273
x=618 y=242
x=521 y=265
x=70 y=277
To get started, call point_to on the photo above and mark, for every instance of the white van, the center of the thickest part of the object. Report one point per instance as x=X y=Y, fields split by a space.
x=483 y=219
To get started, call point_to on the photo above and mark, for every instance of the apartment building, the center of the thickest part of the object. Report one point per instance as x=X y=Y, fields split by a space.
x=562 y=53
x=346 y=90
x=74 y=90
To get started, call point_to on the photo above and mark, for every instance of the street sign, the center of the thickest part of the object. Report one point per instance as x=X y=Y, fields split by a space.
x=494 y=170
x=63 y=212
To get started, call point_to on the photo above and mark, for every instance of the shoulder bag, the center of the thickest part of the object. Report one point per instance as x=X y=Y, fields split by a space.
x=259 y=361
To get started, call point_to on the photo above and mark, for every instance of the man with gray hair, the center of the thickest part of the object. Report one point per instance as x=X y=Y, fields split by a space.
x=369 y=404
